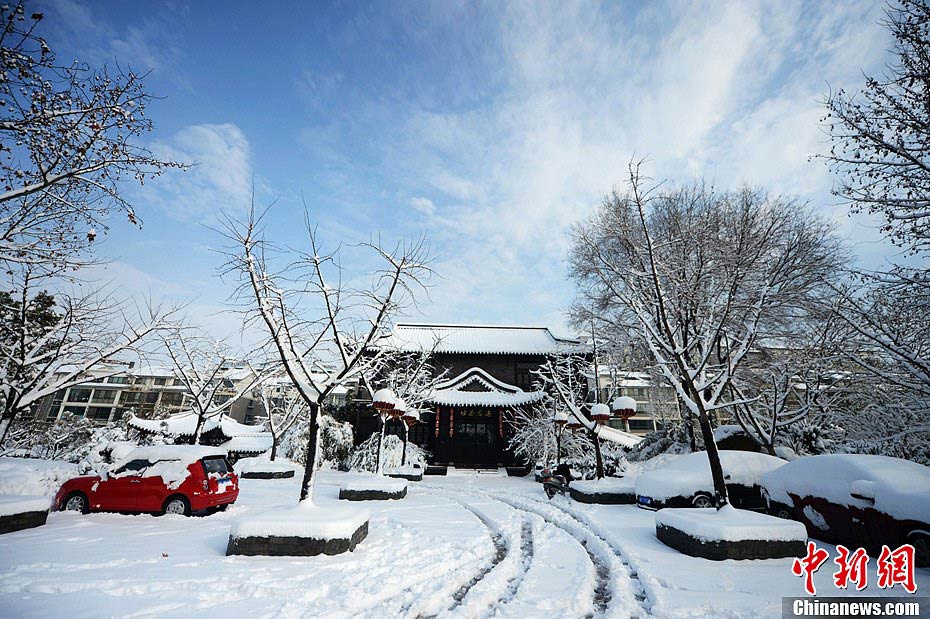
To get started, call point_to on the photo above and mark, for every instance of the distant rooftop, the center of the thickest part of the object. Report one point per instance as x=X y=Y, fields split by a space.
x=476 y=339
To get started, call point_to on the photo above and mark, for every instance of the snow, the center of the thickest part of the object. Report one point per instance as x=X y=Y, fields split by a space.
x=381 y=484
x=900 y=487
x=420 y=553
x=731 y=524
x=185 y=424
x=254 y=444
x=475 y=387
x=475 y=339
x=262 y=465
x=185 y=454
x=27 y=476
x=690 y=473
x=618 y=436
x=172 y=472
x=614 y=485
x=408 y=469
x=11 y=504
x=722 y=432
x=314 y=522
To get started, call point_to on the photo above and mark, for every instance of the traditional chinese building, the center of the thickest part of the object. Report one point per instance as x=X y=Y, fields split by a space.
x=488 y=372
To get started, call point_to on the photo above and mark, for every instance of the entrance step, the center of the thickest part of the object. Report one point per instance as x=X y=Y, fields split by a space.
x=471 y=472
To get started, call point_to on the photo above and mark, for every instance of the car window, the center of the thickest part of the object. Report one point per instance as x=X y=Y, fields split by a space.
x=215 y=465
x=133 y=467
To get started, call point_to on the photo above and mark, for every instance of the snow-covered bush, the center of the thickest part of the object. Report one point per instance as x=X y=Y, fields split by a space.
x=613 y=455
x=915 y=448
x=30 y=476
x=812 y=437
x=534 y=439
x=365 y=456
x=672 y=439
x=336 y=441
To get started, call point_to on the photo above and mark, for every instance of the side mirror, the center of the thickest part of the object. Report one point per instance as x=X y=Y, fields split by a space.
x=863 y=490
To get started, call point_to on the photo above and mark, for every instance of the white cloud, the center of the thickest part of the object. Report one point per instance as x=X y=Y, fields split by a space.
x=220 y=179
x=424 y=206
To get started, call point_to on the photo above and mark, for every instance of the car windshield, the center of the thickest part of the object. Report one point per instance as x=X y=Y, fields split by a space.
x=216 y=465
x=133 y=467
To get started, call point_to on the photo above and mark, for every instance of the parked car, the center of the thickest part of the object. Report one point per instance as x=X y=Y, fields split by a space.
x=856 y=500
x=168 y=479
x=686 y=480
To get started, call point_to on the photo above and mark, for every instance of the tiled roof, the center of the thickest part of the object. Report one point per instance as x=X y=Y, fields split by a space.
x=476 y=339
x=475 y=387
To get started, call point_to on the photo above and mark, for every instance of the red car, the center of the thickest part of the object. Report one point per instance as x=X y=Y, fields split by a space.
x=168 y=479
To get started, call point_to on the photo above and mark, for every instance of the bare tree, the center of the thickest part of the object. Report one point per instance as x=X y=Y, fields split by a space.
x=321 y=328
x=92 y=336
x=563 y=380
x=881 y=137
x=68 y=138
x=702 y=277
x=205 y=367
x=283 y=407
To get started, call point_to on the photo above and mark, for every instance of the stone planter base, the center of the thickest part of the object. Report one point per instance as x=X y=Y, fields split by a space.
x=371 y=494
x=267 y=474
x=603 y=498
x=437 y=470
x=408 y=477
x=288 y=546
x=517 y=471
x=720 y=550
x=25 y=520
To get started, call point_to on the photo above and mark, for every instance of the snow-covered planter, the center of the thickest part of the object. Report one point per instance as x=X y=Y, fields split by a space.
x=517 y=471
x=301 y=532
x=261 y=468
x=410 y=472
x=373 y=489
x=606 y=491
x=22 y=512
x=729 y=533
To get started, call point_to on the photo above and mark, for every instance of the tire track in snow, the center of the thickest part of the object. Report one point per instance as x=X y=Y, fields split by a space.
x=512 y=559
x=639 y=587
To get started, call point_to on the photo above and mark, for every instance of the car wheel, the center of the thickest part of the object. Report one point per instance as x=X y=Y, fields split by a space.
x=920 y=540
x=783 y=512
x=703 y=501
x=177 y=505
x=76 y=502
x=222 y=508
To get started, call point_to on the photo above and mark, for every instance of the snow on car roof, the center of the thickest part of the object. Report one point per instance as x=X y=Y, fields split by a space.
x=187 y=454
x=690 y=473
x=900 y=487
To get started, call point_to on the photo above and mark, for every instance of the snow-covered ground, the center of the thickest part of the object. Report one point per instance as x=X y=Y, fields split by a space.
x=463 y=545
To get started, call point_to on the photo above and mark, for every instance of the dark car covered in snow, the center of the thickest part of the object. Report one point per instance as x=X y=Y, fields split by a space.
x=856 y=500
x=167 y=479
x=686 y=480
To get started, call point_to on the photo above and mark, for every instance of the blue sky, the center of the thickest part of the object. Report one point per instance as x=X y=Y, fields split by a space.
x=489 y=127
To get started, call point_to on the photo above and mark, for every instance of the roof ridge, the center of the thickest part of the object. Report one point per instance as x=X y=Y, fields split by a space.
x=468 y=326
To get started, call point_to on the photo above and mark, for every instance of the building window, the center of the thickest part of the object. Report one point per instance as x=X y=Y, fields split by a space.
x=172 y=399
x=151 y=397
x=524 y=377
x=118 y=380
x=75 y=410
x=104 y=396
x=98 y=413
x=131 y=397
x=161 y=382
x=641 y=425
x=79 y=395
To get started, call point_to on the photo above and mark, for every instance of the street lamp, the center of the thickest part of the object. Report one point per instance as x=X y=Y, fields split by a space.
x=623 y=408
x=559 y=419
x=411 y=418
x=384 y=401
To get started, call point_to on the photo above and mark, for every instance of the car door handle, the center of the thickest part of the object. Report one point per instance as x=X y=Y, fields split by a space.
x=135 y=481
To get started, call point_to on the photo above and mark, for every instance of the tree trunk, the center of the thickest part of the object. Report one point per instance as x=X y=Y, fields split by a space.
x=598 y=460
x=310 y=463
x=716 y=470
x=274 y=446
x=5 y=424
x=558 y=447
x=380 y=441
x=403 y=456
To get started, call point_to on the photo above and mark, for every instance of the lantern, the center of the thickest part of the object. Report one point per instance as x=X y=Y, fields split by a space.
x=399 y=410
x=573 y=424
x=624 y=407
x=383 y=400
x=560 y=419
x=411 y=418
x=600 y=413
